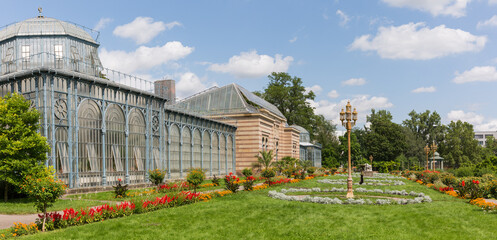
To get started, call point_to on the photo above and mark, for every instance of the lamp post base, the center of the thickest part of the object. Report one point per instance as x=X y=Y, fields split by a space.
x=350 y=191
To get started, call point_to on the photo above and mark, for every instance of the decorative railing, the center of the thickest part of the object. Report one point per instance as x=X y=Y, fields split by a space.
x=52 y=61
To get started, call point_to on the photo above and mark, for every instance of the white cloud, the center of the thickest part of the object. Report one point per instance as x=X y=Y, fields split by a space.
x=252 y=65
x=490 y=2
x=492 y=22
x=469 y=117
x=293 y=40
x=189 y=84
x=418 y=42
x=143 y=58
x=424 y=90
x=488 y=126
x=455 y=8
x=316 y=89
x=363 y=104
x=333 y=94
x=102 y=23
x=344 y=19
x=477 y=74
x=143 y=29
x=354 y=82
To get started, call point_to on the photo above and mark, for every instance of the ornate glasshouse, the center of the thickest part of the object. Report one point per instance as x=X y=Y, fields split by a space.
x=103 y=125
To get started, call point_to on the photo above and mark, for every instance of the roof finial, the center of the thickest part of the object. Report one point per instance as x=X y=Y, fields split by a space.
x=40 y=10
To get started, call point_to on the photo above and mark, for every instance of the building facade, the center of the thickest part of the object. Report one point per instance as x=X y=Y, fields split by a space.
x=104 y=125
x=309 y=151
x=481 y=136
x=260 y=125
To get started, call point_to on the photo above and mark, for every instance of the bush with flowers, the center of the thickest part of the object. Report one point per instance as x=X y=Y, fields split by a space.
x=483 y=204
x=156 y=176
x=120 y=190
x=248 y=185
x=195 y=177
x=231 y=182
x=20 y=229
x=44 y=188
x=470 y=188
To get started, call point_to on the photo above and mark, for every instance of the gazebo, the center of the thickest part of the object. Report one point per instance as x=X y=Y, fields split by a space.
x=437 y=160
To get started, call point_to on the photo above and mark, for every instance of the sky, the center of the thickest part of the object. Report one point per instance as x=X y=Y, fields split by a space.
x=396 y=55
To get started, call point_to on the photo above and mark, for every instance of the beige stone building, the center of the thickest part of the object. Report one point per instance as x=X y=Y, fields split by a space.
x=260 y=125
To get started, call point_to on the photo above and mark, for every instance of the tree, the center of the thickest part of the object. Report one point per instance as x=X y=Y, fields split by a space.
x=22 y=149
x=289 y=96
x=414 y=145
x=355 y=149
x=44 y=188
x=426 y=126
x=384 y=139
x=264 y=158
x=460 y=148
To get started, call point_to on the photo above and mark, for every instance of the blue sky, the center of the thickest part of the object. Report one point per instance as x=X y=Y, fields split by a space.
x=397 y=55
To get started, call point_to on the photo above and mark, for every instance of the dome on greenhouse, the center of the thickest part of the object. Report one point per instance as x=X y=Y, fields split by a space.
x=301 y=129
x=44 y=26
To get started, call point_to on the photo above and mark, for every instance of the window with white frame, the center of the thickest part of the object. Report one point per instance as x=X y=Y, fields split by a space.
x=58 y=51
x=25 y=53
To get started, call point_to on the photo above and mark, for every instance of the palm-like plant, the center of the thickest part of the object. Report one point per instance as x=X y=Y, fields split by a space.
x=264 y=158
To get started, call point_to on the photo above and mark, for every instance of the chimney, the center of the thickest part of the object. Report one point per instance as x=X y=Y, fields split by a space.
x=166 y=89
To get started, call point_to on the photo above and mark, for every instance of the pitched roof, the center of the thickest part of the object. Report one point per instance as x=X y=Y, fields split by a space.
x=231 y=98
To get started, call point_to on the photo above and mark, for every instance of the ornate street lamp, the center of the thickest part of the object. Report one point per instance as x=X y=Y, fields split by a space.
x=433 y=149
x=371 y=160
x=347 y=117
x=427 y=151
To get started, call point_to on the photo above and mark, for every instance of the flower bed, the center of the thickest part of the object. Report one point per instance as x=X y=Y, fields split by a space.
x=376 y=175
x=379 y=182
x=420 y=197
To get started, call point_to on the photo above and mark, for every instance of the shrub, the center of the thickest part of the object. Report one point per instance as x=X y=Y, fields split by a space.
x=448 y=179
x=247 y=172
x=195 y=177
x=431 y=177
x=492 y=188
x=120 y=190
x=45 y=189
x=268 y=173
x=215 y=180
x=464 y=172
x=288 y=172
x=483 y=171
x=333 y=170
x=248 y=185
x=156 y=176
x=311 y=170
x=470 y=188
x=232 y=183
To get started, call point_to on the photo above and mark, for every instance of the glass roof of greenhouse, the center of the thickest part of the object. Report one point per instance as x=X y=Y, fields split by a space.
x=231 y=98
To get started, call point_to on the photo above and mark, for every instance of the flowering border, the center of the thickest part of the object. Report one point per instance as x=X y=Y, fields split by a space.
x=420 y=197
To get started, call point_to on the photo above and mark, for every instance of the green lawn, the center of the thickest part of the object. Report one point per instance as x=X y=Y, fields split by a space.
x=253 y=215
x=25 y=206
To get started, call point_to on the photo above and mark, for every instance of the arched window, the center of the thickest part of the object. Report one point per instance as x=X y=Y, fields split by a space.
x=222 y=153
x=174 y=148
x=115 y=144
x=229 y=154
x=186 y=149
x=206 y=164
x=197 y=151
x=215 y=153
x=90 y=144
x=136 y=146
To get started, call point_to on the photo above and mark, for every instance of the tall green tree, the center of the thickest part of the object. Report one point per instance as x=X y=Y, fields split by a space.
x=22 y=149
x=289 y=95
x=460 y=148
x=355 y=149
x=426 y=125
x=384 y=139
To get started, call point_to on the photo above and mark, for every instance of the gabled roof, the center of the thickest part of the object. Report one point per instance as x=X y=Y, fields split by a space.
x=228 y=99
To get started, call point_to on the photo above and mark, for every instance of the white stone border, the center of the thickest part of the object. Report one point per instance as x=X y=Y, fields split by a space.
x=376 y=175
x=379 y=182
x=420 y=197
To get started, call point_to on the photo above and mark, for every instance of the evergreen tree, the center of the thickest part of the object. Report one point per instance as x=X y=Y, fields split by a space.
x=22 y=148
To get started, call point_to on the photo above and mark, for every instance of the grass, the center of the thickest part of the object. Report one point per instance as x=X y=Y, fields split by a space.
x=253 y=215
x=25 y=206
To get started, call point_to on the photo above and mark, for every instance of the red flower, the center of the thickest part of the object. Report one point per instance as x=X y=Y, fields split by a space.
x=463 y=183
x=477 y=182
x=119 y=179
